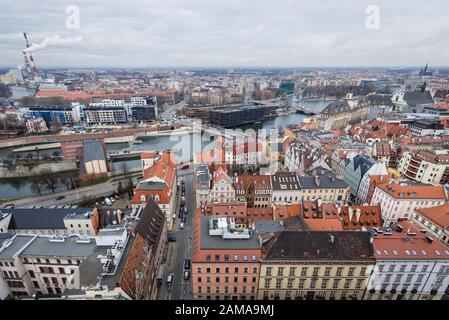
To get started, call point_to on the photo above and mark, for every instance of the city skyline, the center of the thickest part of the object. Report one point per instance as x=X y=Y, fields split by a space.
x=197 y=34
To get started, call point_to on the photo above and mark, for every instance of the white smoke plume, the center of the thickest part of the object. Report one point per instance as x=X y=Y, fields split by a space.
x=55 y=41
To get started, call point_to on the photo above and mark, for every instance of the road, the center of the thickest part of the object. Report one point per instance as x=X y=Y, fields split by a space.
x=168 y=114
x=70 y=196
x=181 y=249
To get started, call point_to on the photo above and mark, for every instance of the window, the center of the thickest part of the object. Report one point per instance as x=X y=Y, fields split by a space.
x=280 y=271
x=236 y=270
x=269 y=269
x=292 y=271
x=236 y=257
x=312 y=284
x=327 y=271
x=267 y=283
x=351 y=271
x=324 y=283
x=348 y=283
x=278 y=283
x=315 y=271
x=339 y=271
x=304 y=271
x=301 y=283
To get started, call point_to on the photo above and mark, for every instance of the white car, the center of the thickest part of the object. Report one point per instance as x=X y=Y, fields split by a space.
x=181 y=226
x=107 y=201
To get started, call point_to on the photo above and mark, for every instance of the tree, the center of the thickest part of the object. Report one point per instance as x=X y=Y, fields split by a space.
x=5 y=92
x=36 y=185
x=125 y=169
x=120 y=188
x=50 y=180
x=56 y=123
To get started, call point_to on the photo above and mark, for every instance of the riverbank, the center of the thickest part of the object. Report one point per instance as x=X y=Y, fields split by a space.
x=22 y=171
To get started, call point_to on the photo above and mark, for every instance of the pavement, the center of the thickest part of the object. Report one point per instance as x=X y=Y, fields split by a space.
x=70 y=196
x=180 y=250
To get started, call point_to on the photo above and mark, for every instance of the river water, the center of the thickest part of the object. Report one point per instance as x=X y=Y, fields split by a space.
x=187 y=146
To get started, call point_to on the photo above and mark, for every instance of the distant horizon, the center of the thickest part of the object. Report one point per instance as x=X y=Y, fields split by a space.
x=431 y=67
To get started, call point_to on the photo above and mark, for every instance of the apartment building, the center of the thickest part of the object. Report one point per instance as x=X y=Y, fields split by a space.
x=410 y=265
x=36 y=125
x=202 y=184
x=399 y=200
x=434 y=221
x=42 y=265
x=47 y=221
x=255 y=191
x=225 y=263
x=427 y=166
x=120 y=262
x=160 y=184
x=316 y=265
x=285 y=188
x=222 y=190
x=323 y=185
x=105 y=115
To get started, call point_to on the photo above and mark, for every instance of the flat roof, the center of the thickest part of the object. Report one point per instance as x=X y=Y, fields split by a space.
x=42 y=246
x=18 y=242
x=208 y=242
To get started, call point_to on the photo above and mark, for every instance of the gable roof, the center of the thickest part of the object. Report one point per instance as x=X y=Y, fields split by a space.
x=323 y=245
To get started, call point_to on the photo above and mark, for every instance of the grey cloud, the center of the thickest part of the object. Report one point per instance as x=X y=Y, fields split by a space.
x=229 y=33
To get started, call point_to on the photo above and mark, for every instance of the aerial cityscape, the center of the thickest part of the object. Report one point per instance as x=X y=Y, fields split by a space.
x=133 y=178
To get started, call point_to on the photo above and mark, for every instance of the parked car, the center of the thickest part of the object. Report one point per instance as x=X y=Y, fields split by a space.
x=116 y=197
x=185 y=167
x=60 y=198
x=183 y=198
x=183 y=203
x=185 y=210
x=180 y=214
x=171 y=238
x=187 y=264
x=107 y=201
x=186 y=275
x=170 y=278
x=181 y=226
x=183 y=219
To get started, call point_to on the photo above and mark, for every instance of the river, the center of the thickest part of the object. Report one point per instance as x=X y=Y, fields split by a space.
x=187 y=146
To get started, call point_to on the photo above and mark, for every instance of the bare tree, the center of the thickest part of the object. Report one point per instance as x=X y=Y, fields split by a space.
x=50 y=180
x=36 y=185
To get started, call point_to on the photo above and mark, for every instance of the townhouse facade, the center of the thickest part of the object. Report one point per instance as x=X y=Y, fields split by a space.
x=426 y=166
x=398 y=200
x=225 y=262
x=435 y=221
x=316 y=265
x=409 y=265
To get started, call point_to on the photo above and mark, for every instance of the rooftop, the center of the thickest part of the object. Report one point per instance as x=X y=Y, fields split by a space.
x=211 y=242
x=325 y=245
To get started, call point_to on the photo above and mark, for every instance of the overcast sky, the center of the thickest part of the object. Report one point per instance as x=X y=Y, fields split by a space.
x=284 y=33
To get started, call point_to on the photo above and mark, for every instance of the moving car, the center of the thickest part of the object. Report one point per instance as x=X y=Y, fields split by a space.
x=171 y=238
x=186 y=275
x=181 y=226
x=187 y=264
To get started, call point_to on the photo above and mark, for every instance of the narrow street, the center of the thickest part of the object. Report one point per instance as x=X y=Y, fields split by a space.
x=180 y=250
